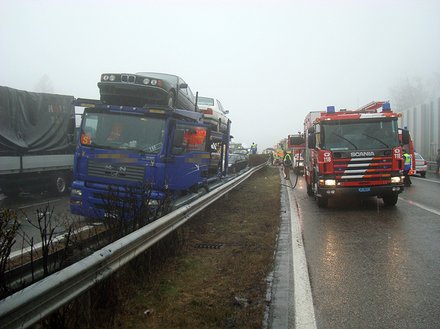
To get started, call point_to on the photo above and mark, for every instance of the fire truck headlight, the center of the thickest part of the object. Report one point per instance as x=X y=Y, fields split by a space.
x=76 y=192
x=330 y=182
x=396 y=179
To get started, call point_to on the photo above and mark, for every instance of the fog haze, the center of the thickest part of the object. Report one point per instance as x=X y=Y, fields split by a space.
x=269 y=63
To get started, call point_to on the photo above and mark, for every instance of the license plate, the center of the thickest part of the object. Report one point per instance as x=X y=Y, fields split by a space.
x=364 y=189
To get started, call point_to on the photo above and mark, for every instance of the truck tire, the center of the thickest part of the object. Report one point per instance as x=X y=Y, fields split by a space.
x=390 y=200
x=423 y=174
x=59 y=184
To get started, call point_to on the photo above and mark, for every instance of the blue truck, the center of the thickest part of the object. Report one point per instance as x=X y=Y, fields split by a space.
x=123 y=148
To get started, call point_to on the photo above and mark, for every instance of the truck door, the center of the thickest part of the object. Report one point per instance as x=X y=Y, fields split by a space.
x=190 y=156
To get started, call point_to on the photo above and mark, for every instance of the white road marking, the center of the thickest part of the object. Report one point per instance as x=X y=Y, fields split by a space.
x=37 y=246
x=434 y=211
x=304 y=311
x=427 y=179
x=38 y=204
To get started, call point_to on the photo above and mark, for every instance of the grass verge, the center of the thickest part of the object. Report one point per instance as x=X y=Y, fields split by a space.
x=218 y=280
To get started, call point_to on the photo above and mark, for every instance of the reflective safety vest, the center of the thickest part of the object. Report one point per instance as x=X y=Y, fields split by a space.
x=407 y=161
x=287 y=159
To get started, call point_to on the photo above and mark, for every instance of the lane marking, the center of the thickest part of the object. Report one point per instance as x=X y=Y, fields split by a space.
x=426 y=179
x=434 y=211
x=38 y=204
x=303 y=301
x=37 y=246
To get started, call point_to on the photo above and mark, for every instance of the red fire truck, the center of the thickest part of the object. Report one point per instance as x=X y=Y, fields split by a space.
x=296 y=145
x=354 y=152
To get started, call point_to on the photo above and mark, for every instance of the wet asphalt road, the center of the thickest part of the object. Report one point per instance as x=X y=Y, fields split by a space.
x=372 y=266
x=30 y=206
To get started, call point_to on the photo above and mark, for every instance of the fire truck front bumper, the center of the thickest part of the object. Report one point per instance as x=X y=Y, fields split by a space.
x=360 y=190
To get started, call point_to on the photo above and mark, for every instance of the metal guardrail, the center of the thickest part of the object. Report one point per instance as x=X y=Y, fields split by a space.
x=35 y=302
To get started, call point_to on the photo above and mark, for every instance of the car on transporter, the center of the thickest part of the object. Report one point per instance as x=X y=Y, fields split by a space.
x=214 y=113
x=145 y=89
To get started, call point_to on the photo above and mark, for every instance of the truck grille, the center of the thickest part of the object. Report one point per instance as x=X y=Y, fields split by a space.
x=116 y=171
x=363 y=169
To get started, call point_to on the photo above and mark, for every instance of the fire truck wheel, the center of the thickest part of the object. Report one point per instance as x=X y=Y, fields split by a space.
x=322 y=202
x=390 y=200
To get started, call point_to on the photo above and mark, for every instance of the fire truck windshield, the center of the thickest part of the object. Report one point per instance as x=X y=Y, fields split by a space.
x=117 y=131
x=342 y=135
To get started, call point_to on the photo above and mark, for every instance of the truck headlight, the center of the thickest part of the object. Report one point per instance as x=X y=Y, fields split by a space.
x=330 y=182
x=153 y=203
x=396 y=180
x=327 y=182
x=76 y=192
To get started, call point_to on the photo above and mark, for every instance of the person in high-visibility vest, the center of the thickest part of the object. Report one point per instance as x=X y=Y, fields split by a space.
x=407 y=162
x=287 y=163
x=254 y=148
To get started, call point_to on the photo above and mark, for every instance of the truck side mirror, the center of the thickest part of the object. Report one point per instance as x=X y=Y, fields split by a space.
x=405 y=136
x=311 y=141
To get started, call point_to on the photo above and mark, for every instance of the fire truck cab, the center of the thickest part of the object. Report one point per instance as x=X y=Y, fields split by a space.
x=354 y=152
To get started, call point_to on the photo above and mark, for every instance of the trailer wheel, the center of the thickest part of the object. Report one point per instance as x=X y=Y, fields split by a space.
x=58 y=184
x=390 y=200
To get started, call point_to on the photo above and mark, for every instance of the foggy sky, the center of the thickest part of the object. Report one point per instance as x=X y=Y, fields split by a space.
x=268 y=62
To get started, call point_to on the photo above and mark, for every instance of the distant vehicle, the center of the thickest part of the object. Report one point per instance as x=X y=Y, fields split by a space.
x=237 y=162
x=146 y=88
x=213 y=112
x=421 y=165
x=37 y=141
x=298 y=163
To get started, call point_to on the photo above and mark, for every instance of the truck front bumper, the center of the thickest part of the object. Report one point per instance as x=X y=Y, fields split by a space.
x=102 y=204
x=380 y=191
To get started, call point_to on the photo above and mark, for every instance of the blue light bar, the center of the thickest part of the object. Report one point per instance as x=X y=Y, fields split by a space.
x=330 y=109
x=386 y=107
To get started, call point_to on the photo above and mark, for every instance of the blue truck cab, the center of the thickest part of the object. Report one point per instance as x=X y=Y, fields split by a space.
x=122 y=148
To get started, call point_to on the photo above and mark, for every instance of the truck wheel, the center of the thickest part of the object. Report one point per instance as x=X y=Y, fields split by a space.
x=390 y=200
x=322 y=202
x=59 y=184
x=423 y=174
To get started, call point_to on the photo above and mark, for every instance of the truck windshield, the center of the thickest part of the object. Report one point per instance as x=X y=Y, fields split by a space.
x=118 y=131
x=359 y=135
